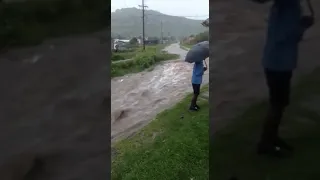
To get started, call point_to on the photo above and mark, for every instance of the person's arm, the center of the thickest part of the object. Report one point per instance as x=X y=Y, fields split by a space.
x=305 y=23
x=206 y=66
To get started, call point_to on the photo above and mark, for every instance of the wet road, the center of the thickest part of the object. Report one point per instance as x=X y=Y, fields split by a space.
x=137 y=98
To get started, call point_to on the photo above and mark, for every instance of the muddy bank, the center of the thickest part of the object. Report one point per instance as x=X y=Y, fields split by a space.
x=138 y=98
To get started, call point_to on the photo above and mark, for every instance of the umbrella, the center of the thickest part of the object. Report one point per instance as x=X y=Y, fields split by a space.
x=198 y=52
x=205 y=23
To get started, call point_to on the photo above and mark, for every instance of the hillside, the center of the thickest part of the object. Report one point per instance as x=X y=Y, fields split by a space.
x=127 y=22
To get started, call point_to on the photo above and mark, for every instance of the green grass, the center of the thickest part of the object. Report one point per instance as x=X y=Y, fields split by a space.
x=123 y=55
x=233 y=148
x=133 y=51
x=31 y=22
x=170 y=147
x=186 y=46
x=142 y=60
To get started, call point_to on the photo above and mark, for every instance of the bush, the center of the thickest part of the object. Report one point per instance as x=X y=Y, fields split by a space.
x=123 y=55
x=116 y=57
x=141 y=61
x=204 y=36
x=165 y=56
x=134 y=41
x=145 y=60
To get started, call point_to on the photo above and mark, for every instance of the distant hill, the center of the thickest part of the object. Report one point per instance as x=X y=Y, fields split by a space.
x=127 y=22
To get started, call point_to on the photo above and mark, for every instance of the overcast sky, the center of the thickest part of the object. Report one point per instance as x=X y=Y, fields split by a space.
x=193 y=9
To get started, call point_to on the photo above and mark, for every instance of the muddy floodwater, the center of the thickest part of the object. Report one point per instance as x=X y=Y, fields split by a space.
x=138 y=98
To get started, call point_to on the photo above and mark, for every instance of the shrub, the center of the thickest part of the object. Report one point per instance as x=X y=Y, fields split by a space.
x=134 y=41
x=145 y=60
x=116 y=57
x=123 y=55
x=141 y=61
x=165 y=56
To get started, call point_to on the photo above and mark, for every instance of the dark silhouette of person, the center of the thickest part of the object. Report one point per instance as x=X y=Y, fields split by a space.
x=286 y=27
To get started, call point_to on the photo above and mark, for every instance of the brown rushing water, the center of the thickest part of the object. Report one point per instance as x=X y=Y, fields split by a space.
x=138 y=98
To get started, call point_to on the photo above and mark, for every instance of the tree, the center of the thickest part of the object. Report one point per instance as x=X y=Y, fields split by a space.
x=153 y=38
x=202 y=37
x=134 y=41
x=120 y=37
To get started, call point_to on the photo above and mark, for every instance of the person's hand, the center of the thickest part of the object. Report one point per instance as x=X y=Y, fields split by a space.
x=204 y=69
x=307 y=21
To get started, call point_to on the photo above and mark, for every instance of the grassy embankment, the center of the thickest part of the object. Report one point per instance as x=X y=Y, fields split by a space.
x=186 y=46
x=172 y=147
x=175 y=145
x=137 y=60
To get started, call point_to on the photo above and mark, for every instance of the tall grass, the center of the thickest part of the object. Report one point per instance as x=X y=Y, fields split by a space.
x=141 y=61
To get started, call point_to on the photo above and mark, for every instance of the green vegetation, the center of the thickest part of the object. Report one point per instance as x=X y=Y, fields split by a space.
x=186 y=46
x=123 y=55
x=175 y=145
x=31 y=22
x=127 y=23
x=188 y=42
x=233 y=149
x=134 y=41
x=140 y=60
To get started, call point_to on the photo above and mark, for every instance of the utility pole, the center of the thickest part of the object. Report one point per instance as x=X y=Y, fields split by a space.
x=143 y=26
x=161 y=32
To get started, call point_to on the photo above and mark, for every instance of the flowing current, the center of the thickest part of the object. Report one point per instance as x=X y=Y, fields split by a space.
x=138 y=98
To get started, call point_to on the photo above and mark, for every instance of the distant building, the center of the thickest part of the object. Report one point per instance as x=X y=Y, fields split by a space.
x=139 y=41
x=121 y=44
x=152 y=41
x=121 y=40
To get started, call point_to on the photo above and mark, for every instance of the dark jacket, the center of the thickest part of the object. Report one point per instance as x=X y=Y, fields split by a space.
x=283 y=36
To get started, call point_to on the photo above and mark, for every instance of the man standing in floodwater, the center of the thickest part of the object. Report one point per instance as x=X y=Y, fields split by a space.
x=197 y=74
x=286 y=27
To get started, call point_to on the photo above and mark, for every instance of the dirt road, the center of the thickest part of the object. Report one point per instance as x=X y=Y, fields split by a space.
x=138 y=98
x=51 y=112
x=236 y=78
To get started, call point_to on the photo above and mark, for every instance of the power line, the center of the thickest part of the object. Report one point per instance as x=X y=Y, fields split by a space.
x=161 y=32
